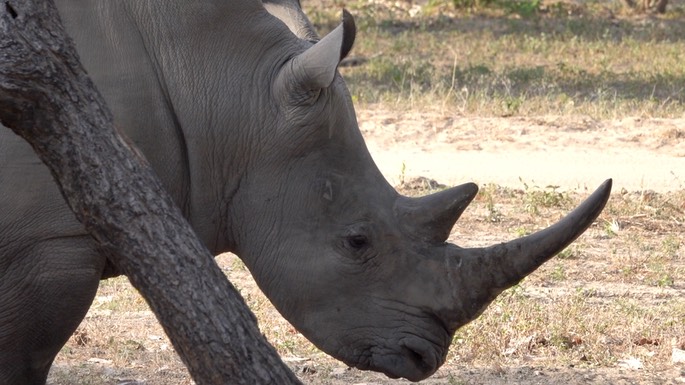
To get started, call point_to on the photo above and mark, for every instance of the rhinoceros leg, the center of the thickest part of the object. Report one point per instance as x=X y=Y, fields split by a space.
x=45 y=291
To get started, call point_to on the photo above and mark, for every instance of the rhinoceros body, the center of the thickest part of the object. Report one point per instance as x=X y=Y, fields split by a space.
x=253 y=133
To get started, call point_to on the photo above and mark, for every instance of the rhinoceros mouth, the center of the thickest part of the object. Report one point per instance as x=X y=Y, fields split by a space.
x=413 y=358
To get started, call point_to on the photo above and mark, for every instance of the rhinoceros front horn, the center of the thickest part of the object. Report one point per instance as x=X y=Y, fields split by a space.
x=477 y=275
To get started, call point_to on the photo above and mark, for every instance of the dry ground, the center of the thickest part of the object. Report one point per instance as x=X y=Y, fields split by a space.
x=610 y=309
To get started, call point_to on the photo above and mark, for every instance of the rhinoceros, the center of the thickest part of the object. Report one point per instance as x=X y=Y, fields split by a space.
x=253 y=132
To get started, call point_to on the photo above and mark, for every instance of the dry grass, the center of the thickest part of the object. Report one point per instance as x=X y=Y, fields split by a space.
x=614 y=296
x=570 y=60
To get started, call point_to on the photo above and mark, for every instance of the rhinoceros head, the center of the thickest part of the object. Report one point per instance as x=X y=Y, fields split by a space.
x=363 y=272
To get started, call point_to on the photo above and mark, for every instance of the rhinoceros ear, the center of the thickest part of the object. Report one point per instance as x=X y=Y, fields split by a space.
x=290 y=13
x=315 y=68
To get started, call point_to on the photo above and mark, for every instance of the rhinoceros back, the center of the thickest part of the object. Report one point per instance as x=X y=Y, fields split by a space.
x=126 y=71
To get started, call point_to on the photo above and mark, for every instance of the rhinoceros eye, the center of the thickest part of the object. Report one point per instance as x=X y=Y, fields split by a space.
x=357 y=242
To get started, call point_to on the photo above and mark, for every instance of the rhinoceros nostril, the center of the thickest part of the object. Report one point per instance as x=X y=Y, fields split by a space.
x=422 y=359
x=417 y=359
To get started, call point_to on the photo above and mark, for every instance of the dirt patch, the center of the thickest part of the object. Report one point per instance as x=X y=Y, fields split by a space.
x=570 y=152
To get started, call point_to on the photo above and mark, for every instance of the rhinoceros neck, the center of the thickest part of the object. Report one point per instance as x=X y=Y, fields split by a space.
x=179 y=78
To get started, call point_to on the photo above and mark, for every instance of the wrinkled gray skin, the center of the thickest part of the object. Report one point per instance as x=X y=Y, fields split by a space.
x=254 y=134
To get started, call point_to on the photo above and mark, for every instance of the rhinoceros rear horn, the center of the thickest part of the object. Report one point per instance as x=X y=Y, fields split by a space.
x=315 y=68
x=433 y=216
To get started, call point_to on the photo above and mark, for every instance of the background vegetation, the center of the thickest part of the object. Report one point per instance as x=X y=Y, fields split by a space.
x=503 y=58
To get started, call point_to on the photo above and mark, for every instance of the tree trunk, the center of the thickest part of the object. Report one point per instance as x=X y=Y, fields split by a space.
x=47 y=98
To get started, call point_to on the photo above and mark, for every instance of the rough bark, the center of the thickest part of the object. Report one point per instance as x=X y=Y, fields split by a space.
x=47 y=98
